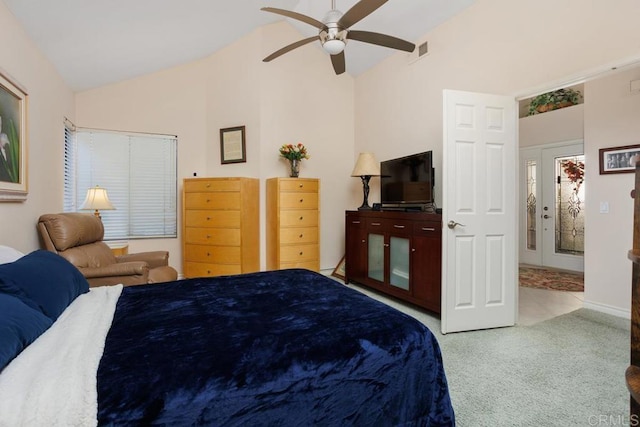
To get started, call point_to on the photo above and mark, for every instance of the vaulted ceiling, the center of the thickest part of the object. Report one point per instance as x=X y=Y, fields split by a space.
x=92 y=43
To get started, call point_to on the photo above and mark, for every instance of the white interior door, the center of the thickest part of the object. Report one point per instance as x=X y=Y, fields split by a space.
x=479 y=257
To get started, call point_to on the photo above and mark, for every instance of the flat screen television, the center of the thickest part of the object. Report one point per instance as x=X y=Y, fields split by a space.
x=407 y=182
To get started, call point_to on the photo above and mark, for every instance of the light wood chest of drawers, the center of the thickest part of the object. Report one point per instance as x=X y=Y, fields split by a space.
x=221 y=223
x=293 y=223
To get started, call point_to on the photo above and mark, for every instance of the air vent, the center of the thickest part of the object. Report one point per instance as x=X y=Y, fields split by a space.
x=423 y=49
x=420 y=52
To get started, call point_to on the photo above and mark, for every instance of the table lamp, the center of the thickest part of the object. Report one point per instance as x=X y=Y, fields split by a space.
x=366 y=167
x=97 y=199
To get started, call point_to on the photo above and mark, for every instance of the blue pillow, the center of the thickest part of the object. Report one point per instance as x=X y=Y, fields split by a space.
x=44 y=280
x=19 y=326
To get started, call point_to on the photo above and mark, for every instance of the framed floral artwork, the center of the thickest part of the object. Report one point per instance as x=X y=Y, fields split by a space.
x=618 y=159
x=13 y=141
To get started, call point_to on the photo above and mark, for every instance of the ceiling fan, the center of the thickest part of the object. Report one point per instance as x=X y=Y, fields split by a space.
x=335 y=31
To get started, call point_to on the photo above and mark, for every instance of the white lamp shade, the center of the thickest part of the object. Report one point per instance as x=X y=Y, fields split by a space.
x=366 y=165
x=97 y=199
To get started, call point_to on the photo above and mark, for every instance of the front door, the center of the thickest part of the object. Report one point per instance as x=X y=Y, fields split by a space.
x=479 y=255
x=552 y=206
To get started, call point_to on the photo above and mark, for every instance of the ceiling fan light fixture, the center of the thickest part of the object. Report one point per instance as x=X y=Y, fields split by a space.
x=334 y=47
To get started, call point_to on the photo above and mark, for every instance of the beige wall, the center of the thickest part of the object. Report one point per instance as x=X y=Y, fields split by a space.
x=611 y=119
x=296 y=98
x=562 y=125
x=494 y=46
x=49 y=101
x=516 y=48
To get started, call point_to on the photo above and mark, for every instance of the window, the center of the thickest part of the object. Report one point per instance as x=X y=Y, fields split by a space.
x=137 y=170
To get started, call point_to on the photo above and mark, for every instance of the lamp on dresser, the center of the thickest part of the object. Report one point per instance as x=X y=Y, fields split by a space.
x=366 y=167
x=96 y=199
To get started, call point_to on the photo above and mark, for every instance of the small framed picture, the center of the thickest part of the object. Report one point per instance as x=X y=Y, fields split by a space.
x=232 y=145
x=618 y=159
x=339 y=270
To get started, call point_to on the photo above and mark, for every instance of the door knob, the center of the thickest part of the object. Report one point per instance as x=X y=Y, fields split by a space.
x=452 y=224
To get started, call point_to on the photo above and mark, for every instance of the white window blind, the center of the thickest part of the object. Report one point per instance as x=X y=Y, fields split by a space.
x=69 y=203
x=139 y=173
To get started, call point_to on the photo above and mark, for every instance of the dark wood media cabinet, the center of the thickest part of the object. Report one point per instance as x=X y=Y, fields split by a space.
x=397 y=253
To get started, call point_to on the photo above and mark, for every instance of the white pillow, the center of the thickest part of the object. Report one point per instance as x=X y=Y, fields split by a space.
x=8 y=254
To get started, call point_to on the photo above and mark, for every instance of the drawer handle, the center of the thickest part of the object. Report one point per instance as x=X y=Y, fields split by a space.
x=386 y=245
x=355 y=222
x=208 y=200
x=300 y=252
x=208 y=236
x=300 y=236
x=301 y=218
x=301 y=186
x=398 y=226
x=375 y=223
x=428 y=229
x=208 y=254
x=208 y=185
x=208 y=218
x=413 y=249
x=301 y=200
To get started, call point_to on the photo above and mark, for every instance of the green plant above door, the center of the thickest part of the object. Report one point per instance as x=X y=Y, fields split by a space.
x=554 y=100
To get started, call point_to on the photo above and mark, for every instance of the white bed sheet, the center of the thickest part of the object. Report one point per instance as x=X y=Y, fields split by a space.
x=53 y=381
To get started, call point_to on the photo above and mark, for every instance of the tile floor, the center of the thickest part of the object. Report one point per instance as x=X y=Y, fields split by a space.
x=536 y=305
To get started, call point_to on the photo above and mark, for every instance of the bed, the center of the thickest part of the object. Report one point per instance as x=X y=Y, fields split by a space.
x=280 y=348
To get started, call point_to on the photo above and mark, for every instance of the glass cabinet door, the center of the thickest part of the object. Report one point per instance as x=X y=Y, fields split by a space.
x=399 y=262
x=376 y=257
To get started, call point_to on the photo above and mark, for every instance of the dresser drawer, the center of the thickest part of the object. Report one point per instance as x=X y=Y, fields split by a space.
x=298 y=218
x=213 y=200
x=198 y=269
x=212 y=254
x=355 y=222
x=297 y=253
x=309 y=265
x=299 y=200
x=303 y=185
x=212 y=236
x=427 y=228
x=212 y=218
x=298 y=235
x=397 y=226
x=196 y=186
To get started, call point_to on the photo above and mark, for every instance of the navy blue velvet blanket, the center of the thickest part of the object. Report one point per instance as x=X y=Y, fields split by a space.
x=284 y=348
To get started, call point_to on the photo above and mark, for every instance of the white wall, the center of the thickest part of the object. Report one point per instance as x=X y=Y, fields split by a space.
x=296 y=98
x=49 y=101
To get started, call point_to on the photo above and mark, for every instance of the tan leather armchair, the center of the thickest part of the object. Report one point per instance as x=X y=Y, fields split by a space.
x=78 y=238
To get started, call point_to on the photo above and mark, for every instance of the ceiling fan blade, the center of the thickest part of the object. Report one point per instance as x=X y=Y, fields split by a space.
x=338 y=63
x=288 y=48
x=359 y=11
x=381 y=40
x=300 y=17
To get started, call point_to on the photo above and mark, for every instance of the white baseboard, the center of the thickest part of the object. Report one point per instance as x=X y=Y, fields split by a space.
x=608 y=309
